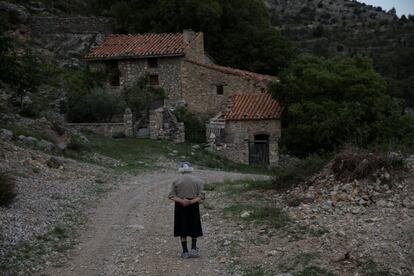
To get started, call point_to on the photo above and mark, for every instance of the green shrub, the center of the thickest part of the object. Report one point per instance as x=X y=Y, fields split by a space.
x=299 y=171
x=195 y=125
x=98 y=105
x=141 y=95
x=7 y=189
x=354 y=163
x=332 y=102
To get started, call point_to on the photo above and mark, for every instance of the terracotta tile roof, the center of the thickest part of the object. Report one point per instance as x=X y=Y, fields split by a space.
x=122 y=46
x=237 y=72
x=253 y=107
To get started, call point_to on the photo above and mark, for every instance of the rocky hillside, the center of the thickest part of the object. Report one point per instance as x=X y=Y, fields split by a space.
x=60 y=37
x=348 y=28
x=339 y=27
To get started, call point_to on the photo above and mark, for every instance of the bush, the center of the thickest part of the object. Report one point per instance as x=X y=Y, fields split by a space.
x=353 y=164
x=7 y=189
x=141 y=96
x=286 y=177
x=98 y=105
x=332 y=102
x=195 y=125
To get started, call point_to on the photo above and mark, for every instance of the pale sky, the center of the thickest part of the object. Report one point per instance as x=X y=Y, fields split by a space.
x=402 y=6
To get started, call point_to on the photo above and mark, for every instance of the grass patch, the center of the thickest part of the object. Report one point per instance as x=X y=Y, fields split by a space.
x=238 y=186
x=301 y=263
x=142 y=154
x=314 y=271
x=268 y=215
x=373 y=269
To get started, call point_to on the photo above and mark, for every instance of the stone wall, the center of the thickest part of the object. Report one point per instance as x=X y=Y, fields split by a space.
x=164 y=126
x=239 y=133
x=199 y=86
x=105 y=129
x=125 y=128
x=196 y=49
x=68 y=38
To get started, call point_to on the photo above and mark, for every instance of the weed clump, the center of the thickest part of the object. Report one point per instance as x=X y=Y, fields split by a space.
x=286 y=177
x=7 y=189
x=352 y=164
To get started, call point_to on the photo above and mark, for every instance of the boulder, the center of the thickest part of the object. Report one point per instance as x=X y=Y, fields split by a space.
x=55 y=162
x=28 y=140
x=62 y=146
x=6 y=135
x=46 y=145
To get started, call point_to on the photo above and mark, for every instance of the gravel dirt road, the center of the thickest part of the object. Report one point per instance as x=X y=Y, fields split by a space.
x=130 y=233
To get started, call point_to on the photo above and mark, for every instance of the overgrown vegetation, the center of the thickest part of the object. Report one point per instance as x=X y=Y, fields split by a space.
x=20 y=69
x=96 y=105
x=7 y=189
x=329 y=102
x=299 y=171
x=141 y=96
x=352 y=164
x=195 y=125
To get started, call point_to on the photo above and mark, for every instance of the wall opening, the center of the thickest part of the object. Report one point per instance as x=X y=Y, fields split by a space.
x=259 y=150
x=154 y=80
x=113 y=73
x=220 y=89
x=152 y=62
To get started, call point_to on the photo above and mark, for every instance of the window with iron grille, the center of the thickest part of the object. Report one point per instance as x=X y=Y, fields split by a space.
x=154 y=80
x=113 y=73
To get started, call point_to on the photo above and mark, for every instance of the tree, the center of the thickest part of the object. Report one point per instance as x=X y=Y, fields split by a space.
x=329 y=102
x=141 y=95
x=238 y=33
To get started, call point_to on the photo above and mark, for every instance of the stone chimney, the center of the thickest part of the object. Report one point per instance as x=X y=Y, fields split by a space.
x=188 y=35
x=195 y=49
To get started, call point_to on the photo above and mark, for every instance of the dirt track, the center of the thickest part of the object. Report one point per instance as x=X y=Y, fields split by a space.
x=130 y=233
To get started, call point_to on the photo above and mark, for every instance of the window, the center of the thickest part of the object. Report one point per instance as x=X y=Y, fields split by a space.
x=152 y=62
x=220 y=89
x=113 y=73
x=154 y=81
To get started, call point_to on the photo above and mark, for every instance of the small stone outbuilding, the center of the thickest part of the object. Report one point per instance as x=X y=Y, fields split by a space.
x=248 y=131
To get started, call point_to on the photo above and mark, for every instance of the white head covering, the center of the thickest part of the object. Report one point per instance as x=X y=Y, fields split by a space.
x=185 y=167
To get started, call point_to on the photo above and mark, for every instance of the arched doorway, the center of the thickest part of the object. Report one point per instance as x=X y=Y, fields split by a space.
x=259 y=150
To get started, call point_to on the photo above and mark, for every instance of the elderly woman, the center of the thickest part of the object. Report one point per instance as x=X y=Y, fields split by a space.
x=187 y=193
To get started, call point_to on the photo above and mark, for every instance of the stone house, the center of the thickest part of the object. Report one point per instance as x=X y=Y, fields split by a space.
x=178 y=63
x=248 y=131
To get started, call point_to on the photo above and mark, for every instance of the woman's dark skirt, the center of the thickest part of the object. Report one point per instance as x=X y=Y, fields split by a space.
x=187 y=221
